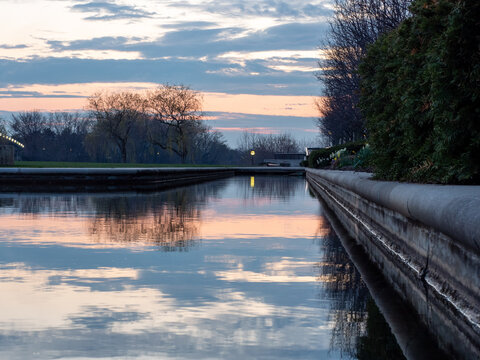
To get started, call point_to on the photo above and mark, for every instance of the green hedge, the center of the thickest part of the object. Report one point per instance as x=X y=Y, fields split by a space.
x=421 y=95
x=321 y=158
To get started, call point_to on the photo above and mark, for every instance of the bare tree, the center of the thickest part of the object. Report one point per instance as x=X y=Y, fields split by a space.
x=3 y=126
x=210 y=148
x=31 y=129
x=116 y=114
x=68 y=123
x=271 y=143
x=355 y=25
x=69 y=131
x=284 y=143
x=175 y=114
x=28 y=123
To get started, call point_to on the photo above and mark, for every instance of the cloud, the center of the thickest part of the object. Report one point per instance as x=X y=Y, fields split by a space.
x=105 y=10
x=203 y=76
x=266 y=8
x=253 y=130
x=207 y=42
x=217 y=46
x=19 y=46
x=100 y=43
x=212 y=42
x=190 y=25
x=29 y=94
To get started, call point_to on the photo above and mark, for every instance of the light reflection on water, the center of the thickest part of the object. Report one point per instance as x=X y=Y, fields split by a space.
x=237 y=268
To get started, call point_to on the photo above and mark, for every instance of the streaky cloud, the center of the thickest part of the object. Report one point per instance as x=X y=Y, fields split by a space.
x=29 y=94
x=106 y=10
x=8 y=47
x=206 y=42
x=204 y=76
x=100 y=43
x=190 y=25
x=266 y=8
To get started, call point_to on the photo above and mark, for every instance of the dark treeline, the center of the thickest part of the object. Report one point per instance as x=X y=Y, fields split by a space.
x=164 y=126
x=54 y=136
x=76 y=137
x=355 y=25
x=161 y=126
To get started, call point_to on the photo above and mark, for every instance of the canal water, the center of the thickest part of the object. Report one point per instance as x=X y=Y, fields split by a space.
x=240 y=268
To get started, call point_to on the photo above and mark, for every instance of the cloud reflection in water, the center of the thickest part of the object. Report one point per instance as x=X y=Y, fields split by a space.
x=218 y=270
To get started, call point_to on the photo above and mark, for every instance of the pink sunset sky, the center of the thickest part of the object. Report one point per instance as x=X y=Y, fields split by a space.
x=253 y=61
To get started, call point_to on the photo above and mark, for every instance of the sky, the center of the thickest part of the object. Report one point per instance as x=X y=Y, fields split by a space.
x=253 y=61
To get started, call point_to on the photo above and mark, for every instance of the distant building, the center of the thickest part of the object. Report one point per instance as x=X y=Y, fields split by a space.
x=288 y=159
x=7 y=149
x=7 y=153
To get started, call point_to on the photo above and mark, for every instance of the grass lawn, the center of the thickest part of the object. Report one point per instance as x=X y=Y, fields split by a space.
x=59 y=164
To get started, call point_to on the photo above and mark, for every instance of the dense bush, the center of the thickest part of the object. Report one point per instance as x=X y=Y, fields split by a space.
x=421 y=95
x=321 y=157
x=364 y=158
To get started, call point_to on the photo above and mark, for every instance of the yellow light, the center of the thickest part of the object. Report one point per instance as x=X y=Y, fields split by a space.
x=252 y=152
x=252 y=181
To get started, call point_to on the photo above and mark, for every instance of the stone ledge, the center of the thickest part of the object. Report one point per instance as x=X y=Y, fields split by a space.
x=452 y=209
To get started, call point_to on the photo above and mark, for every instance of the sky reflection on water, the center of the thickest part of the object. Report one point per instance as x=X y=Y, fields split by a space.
x=217 y=270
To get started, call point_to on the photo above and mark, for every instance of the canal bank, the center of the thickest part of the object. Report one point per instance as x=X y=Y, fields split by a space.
x=101 y=179
x=425 y=239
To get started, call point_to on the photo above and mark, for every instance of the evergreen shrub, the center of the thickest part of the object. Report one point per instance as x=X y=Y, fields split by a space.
x=420 y=94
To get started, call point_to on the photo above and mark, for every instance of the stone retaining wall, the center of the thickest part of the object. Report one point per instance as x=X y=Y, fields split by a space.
x=101 y=179
x=425 y=239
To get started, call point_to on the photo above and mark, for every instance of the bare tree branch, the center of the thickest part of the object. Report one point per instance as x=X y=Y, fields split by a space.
x=355 y=25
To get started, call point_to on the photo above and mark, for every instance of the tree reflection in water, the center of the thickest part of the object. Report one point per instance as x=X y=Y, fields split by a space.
x=51 y=204
x=169 y=220
x=347 y=293
x=359 y=329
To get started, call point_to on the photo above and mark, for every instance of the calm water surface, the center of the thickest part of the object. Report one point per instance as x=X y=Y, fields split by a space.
x=232 y=269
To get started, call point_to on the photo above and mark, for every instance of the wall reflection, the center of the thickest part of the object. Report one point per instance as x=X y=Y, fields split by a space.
x=359 y=329
x=378 y=341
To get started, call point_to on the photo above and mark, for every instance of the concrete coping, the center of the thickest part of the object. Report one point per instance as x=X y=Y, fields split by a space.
x=452 y=209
